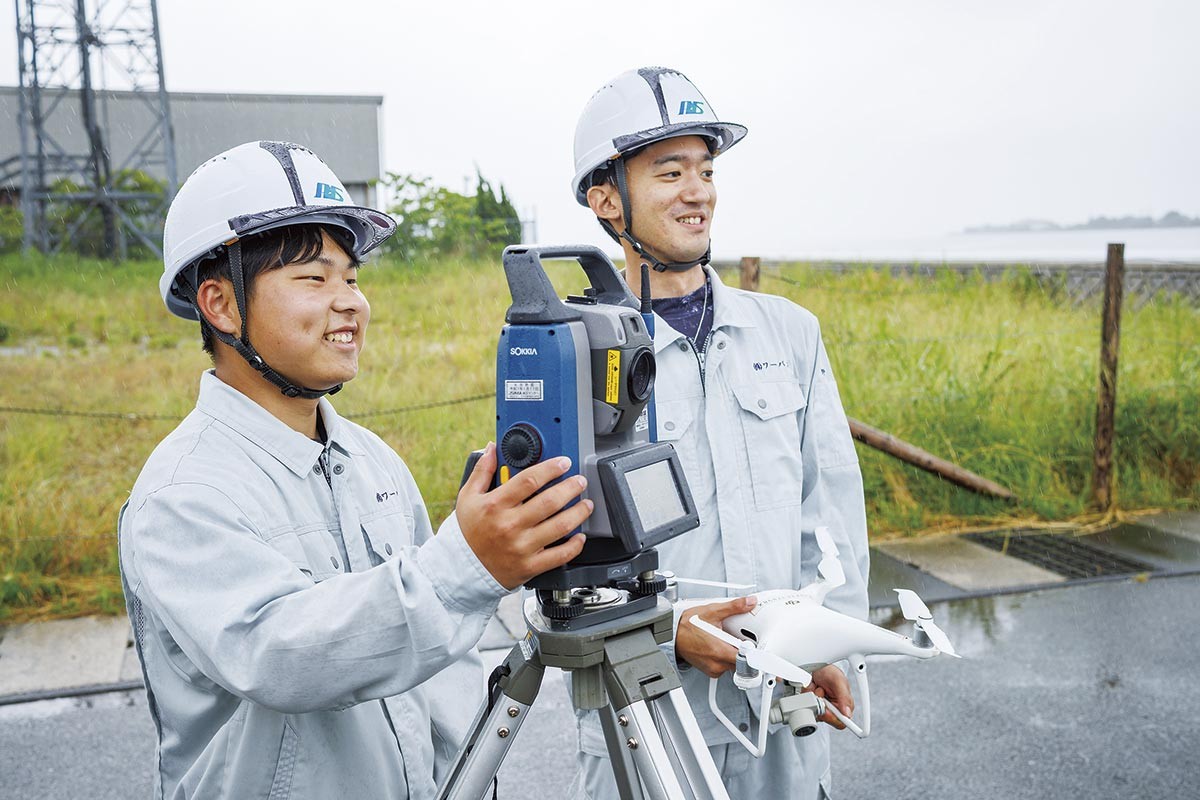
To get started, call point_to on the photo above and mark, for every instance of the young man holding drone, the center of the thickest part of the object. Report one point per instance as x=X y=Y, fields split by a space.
x=302 y=632
x=746 y=393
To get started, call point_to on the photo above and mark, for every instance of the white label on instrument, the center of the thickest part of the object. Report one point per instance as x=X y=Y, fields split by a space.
x=523 y=390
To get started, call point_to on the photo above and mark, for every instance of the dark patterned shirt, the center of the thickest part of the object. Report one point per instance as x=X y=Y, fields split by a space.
x=691 y=315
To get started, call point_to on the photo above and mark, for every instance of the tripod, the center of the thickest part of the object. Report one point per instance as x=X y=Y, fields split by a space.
x=649 y=729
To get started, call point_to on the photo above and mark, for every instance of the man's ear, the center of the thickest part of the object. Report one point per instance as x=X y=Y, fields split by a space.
x=218 y=304
x=605 y=202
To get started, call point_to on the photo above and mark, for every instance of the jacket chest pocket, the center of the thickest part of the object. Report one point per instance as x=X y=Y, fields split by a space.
x=387 y=536
x=770 y=427
x=314 y=552
x=674 y=419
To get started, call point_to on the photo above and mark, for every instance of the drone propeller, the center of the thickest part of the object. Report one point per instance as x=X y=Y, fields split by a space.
x=914 y=608
x=829 y=567
x=758 y=659
x=670 y=576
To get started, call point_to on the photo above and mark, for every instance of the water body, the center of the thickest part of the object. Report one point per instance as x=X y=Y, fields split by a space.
x=1142 y=245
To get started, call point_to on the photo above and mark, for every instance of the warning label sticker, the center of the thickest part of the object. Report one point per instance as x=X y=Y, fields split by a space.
x=523 y=390
x=612 y=386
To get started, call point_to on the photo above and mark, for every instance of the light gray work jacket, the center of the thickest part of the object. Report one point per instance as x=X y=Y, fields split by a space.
x=302 y=632
x=767 y=451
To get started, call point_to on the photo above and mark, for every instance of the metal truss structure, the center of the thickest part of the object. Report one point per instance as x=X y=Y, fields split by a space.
x=75 y=56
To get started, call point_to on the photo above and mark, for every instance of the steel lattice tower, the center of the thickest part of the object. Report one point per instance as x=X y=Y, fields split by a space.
x=78 y=52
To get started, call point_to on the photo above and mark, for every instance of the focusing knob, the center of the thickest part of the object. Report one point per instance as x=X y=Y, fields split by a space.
x=521 y=446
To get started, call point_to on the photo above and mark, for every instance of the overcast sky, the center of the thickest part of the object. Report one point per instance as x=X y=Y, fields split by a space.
x=867 y=119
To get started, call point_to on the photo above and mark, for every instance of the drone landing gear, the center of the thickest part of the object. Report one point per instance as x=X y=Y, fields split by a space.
x=616 y=666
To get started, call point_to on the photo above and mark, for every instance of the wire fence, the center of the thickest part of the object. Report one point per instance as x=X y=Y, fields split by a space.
x=941 y=342
x=1144 y=283
x=1075 y=282
x=142 y=416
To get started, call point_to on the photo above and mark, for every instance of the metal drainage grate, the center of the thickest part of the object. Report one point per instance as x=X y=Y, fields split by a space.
x=1064 y=554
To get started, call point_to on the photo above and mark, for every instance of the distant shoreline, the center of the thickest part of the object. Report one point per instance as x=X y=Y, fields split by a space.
x=965 y=265
x=1171 y=219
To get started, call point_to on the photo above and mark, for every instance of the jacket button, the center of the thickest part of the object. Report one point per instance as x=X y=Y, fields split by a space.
x=388 y=548
x=669 y=425
x=338 y=469
x=743 y=727
x=762 y=403
x=333 y=560
x=683 y=345
x=720 y=345
x=316 y=469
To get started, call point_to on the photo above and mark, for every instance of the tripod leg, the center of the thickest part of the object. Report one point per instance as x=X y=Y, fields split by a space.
x=637 y=673
x=495 y=727
x=649 y=754
x=680 y=729
x=624 y=770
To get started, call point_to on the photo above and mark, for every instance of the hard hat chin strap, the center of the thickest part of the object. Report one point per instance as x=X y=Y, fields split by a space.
x=242 y=344
x=628 y=236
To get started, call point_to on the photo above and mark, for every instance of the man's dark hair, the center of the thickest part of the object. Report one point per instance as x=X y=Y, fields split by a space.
x=291 y=244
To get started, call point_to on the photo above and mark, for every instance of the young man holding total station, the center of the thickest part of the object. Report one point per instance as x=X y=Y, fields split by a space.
x=745 y=392
x=302 y=632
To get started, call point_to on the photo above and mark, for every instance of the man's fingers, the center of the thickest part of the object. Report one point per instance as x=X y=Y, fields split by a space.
x=544 y=504
x=717 y=612
x=829 y=719
x=558 y=555
x=529 y=481
x=556 y=527
x=702 y=650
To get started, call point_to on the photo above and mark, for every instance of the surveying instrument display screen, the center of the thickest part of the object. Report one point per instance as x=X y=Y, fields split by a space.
x=575 y=377
x=655 y=495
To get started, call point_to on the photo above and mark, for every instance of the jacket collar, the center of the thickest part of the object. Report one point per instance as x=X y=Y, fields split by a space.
x=229 y=407
x=730 y=310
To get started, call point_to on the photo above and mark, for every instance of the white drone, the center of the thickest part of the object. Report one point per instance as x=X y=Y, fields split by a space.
x=790 y=633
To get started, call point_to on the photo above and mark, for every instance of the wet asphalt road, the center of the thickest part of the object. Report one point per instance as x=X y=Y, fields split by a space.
x=1081 y=691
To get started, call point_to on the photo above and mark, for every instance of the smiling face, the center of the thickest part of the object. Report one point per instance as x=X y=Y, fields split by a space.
x=309 y=320
x=672 y=197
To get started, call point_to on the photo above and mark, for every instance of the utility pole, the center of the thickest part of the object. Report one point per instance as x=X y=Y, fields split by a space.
x=72 y=177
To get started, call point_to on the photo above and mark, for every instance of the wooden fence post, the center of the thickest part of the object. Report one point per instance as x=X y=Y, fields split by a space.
x=750 y=270
x=1106 y=400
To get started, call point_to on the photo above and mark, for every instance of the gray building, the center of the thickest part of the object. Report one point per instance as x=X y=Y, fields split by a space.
x=343 y=129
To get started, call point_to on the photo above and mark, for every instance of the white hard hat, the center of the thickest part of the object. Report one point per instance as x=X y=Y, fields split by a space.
x=640 y=107
x=252 y=188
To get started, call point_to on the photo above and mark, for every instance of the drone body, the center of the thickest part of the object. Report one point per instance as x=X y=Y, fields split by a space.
x=794 y=626
x=790 y=633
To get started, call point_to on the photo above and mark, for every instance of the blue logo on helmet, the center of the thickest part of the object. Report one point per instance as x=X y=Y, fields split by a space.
x=691 y=107
x=326 y=191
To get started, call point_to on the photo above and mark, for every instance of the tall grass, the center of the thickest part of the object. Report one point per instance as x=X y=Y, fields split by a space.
x=999 y=377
